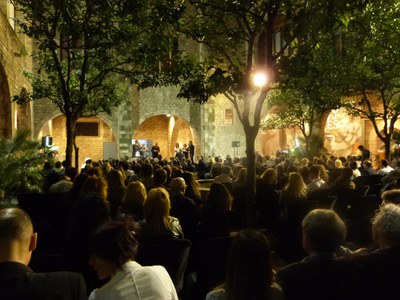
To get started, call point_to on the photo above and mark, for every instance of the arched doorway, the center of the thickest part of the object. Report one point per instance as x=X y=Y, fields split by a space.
x=5 y=106
x=166 y=130
x=93 y=138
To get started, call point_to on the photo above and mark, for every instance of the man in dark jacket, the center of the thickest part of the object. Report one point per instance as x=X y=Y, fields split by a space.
x=17 y=280
x=320 y=275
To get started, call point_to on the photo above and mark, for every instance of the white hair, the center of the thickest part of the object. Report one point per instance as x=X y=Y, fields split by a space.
x=387 y=220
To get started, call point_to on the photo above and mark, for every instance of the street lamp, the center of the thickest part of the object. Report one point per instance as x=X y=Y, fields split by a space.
x=260 y=79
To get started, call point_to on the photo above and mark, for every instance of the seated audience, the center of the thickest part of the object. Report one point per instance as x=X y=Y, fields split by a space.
x=249 y=272
x=184 y=208
x=116 y=190
x=113 y=253
x=380 y=269
x=192 y=187
x=17 y=280
x=391 y=196
x=267 y=200
x=216 y=214
x=385 y=168
x=320 y=275
x=158 y=223
x=344 y=181
x=317 y=183
x=134 y=199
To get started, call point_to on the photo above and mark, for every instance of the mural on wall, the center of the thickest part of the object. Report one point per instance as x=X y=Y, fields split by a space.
x=342 y=133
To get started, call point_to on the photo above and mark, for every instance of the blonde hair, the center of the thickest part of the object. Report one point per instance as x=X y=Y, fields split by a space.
x=296 y=187
x=156 y=211
x=135 y=193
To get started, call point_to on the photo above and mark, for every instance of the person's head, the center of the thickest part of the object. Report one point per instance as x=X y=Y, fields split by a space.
x=113 y=244
x=242 y=176
x=338 y=164
x=157 y=205
x=219 y=198
x=17 y=238
x=323 y=231
x=115 y=178
x=346 y=173
x=147 y=170
x=315 y=172
x=391 y=196
x=160 y=177
x=353 y=165
x=94 y=185
x=361 y=147
x=384 y=163
x=226 y=170
x=368 y=164
x=386 y=226
x=296 y=185
x=249 y=267
x=135 y=193
x=178 y=186
x=269 y=176
x=192 y=186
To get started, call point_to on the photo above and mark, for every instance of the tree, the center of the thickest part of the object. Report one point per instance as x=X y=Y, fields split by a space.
x=85 y=46
x=372 y=45
x=240 y=38
x=311 y=86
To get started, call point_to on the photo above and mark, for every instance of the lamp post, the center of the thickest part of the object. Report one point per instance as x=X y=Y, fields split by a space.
x=260 y=78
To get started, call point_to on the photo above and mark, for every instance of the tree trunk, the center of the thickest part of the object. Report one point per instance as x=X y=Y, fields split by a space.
x=251 y=212
x=71 y=129
x=387 y=142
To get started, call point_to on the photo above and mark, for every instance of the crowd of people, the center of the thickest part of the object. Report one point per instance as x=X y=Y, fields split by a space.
x=301 y=247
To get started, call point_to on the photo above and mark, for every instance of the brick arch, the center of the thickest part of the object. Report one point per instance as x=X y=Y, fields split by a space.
x=166 y=130
x=5 y=105
x=53 y=114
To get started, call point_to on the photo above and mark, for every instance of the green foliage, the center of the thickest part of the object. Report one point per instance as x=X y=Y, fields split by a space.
x=20 y=165
x=85 y=49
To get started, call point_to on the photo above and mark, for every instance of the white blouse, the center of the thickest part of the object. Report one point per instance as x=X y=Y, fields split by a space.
x=135 y=282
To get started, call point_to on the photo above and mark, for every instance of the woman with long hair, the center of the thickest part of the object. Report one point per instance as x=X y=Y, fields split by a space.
x=134 y=199
x=192 y=187
x=216 y=213
x=116 y=189
x=249 y=273
x=267 y=200
x=157 y=222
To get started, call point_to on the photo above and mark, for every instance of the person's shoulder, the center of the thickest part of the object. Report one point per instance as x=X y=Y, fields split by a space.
x=217 y=294
x=70 y=285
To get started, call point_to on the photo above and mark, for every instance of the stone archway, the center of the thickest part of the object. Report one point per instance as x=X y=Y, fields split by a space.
x=5 y=106
x=167 y=130
x=90 y=146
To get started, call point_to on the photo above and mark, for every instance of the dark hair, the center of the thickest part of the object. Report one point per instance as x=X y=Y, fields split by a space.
x=160 y=176
x=219 y=197
x=249 y=266
x=115 y=241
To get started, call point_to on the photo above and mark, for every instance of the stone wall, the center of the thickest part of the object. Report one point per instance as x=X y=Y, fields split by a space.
x=14 y=59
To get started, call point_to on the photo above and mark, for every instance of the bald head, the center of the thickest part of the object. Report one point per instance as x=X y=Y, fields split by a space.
x=15 y=224
x=17 y=239
x=178 y=186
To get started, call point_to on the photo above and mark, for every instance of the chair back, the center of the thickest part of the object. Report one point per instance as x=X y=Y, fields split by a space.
x=210 y=263
x=172 y=254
